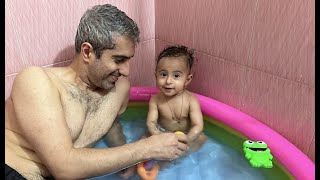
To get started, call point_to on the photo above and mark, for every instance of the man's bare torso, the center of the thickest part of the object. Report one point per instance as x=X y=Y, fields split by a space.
x=81 y=108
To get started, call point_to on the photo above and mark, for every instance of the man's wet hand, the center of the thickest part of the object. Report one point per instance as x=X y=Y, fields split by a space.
x=167 y=146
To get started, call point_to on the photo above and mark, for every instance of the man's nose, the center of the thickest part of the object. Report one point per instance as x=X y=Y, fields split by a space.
x=124 y=68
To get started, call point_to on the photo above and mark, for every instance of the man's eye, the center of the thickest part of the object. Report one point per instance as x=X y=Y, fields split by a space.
x=118 y=60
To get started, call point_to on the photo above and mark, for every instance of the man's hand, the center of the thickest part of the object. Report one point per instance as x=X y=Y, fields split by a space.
x=167 y=146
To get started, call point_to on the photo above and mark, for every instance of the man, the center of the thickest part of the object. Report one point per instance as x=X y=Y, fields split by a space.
x=54 y=115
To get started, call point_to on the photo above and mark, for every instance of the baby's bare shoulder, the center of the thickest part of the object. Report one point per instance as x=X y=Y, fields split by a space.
x=191 y=96
x=192 y=99
x=155 y=98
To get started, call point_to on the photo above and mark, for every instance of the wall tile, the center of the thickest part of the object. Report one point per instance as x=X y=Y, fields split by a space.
x=13 y=57
x=223 y=28
x=160 y=45
x=218 y=79
x=42 y=36
x=8 y=85
x=258 y=94
x=283 y=40
x=60 y=64
x=146 y=21
x=283 y=105
x=142 y=65
x=311 y=152
x=175 y=21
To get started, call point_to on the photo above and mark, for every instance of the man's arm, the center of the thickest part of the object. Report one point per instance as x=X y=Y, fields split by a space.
x=152 y=118
x=114 y=104
x=196 y=119
x=41 y=119
x=115 y=136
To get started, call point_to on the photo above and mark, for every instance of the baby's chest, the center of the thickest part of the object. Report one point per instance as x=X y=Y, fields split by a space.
x=175 y=112
x=173 y=122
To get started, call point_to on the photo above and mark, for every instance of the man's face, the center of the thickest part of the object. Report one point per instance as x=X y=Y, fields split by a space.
x=113 y=63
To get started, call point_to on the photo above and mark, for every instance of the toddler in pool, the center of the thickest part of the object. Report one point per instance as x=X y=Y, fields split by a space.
x=175 y=108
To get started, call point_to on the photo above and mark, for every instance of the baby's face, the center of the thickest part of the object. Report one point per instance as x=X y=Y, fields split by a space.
x=172 y=75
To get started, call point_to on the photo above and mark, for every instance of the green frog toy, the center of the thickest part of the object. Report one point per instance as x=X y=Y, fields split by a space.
x=258 y=153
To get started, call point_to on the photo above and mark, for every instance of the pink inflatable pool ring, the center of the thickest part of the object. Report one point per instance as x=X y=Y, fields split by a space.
x=290 y=157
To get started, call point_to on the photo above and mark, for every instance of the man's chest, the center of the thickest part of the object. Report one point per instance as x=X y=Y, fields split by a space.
x=80 y=109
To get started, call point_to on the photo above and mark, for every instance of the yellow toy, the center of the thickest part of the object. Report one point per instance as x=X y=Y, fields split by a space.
x=179 y=132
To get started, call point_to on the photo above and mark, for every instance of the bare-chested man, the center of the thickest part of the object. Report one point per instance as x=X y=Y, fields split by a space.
x=54 y=115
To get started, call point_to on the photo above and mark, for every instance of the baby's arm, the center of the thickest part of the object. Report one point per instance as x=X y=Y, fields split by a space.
x=196 y=119
x=153 y=117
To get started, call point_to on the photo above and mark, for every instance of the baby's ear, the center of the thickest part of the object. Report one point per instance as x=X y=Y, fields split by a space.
x=189 y=78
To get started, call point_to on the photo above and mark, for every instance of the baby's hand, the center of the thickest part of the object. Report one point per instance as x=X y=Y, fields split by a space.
x=128 y=172
x=188 y=142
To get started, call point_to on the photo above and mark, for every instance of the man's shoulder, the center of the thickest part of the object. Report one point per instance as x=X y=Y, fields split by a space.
x=32 y=76
x=32 y=82
x=31 y=73
x=31 y=69
x=37 y=73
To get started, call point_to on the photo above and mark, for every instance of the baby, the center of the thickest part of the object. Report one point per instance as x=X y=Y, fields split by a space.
x=175 y=108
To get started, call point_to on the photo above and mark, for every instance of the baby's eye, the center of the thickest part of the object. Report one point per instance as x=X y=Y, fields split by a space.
x=163 y=74
x=176 y=75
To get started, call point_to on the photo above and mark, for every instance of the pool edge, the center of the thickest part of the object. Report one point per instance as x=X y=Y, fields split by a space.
x=283 y=150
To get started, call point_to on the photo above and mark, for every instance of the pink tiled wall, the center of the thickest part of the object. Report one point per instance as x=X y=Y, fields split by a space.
x=42 y=33
x=257 y=56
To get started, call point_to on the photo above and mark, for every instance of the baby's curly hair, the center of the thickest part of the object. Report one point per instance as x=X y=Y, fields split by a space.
x=178 y=51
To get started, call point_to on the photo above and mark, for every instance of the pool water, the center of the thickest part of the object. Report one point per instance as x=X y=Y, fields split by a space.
x=213 y=160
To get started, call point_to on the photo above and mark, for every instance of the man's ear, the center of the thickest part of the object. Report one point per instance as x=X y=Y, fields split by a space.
x=189 y=78
x=87 y=52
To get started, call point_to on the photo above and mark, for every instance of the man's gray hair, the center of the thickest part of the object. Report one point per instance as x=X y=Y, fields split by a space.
x=101 y=24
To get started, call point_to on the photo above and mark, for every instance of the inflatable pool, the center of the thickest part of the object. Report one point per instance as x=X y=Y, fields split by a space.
x=233 y=127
